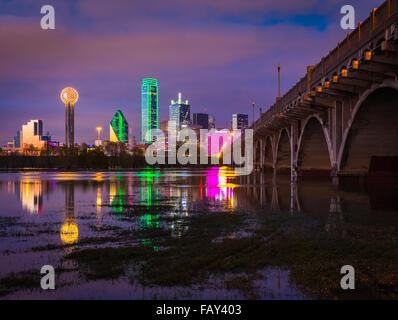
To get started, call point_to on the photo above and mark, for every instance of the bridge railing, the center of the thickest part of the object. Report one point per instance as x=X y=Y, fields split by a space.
x=354 y=41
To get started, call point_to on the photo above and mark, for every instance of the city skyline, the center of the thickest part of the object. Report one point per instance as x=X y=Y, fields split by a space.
x=230 y=55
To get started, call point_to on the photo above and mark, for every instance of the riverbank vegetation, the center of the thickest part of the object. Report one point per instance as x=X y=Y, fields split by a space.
x=114 y=156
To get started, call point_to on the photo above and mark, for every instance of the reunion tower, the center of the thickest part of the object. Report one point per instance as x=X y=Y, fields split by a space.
x=69 y=96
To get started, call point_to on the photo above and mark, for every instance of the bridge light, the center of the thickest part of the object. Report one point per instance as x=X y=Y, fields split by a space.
x=319 y=88
x=335 y=78
x=327 y=84
x=344 y=73
x=313 y=93
x=368 y=55
x=355 y=64
x=384 y=45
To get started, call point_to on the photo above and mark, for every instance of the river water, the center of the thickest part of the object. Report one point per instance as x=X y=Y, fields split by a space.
x=46 y=215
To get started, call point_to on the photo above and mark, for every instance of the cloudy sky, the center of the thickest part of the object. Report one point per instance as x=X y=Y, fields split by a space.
x=221 y=54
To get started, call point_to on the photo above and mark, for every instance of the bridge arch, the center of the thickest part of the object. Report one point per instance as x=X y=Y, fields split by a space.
x=268 y=156
x=372 y=130
x=283 y=152
x=315 y=153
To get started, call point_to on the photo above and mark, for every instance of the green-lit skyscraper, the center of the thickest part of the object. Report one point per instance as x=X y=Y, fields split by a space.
x=149 y=108
x=119 y=128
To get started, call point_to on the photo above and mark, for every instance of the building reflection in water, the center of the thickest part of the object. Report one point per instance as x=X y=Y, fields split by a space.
x=69 y=229
x=335 y=222
x=30 y=193
x=32 y=196
x=220 y=188
x=99 y=199
x=149 y=197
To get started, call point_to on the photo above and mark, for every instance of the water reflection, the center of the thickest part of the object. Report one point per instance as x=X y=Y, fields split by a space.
x=69 y=230
x=186 y=192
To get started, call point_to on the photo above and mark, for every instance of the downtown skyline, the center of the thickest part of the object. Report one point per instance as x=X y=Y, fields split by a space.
x=225 y=57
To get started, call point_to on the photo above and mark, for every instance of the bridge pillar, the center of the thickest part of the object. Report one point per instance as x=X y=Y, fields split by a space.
x=293 y=142
x=261 y=154
x=336 y=128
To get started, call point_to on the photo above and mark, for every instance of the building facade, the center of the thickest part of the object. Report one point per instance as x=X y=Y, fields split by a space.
x=149 y=108
x=119 y=128
x=180 y=112
x=32 y=134
x=164 y=126
x=201 y=120
x=240 y=121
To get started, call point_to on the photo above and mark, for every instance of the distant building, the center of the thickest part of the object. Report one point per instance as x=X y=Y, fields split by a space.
x=179 y=112
x=240 y=121
x=212 y=122
x=119 y=128
x=32 y=134
x=164 y=126
x=17 y=140
x=149 y=109
x=201 y=119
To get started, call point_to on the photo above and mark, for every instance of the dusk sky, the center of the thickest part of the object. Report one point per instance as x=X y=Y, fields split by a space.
x=221 y=54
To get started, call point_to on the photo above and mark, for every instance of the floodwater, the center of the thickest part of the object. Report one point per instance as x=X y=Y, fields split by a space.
x=45 y=216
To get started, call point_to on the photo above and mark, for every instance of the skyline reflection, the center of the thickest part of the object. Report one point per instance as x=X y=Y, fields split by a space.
x=213 y=190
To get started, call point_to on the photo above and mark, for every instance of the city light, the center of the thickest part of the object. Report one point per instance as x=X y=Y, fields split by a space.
x=69 y=95
x=99 y=129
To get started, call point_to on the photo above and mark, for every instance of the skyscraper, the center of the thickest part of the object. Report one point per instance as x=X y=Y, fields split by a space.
x=17 y=140
x=149 y=108
x=119 y=128
x=240 y=121
x=179 y=112
x=201 y=119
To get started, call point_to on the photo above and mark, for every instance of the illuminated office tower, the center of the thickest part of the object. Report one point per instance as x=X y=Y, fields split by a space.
x=240 y=121
x=119 y=128
x=32 y=134
x=69 y=96
x=149 y=108
x=179 y=112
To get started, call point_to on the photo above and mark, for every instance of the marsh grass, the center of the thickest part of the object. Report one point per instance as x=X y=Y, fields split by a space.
x=16 y=281
x=155 y=256
x=312 y=256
